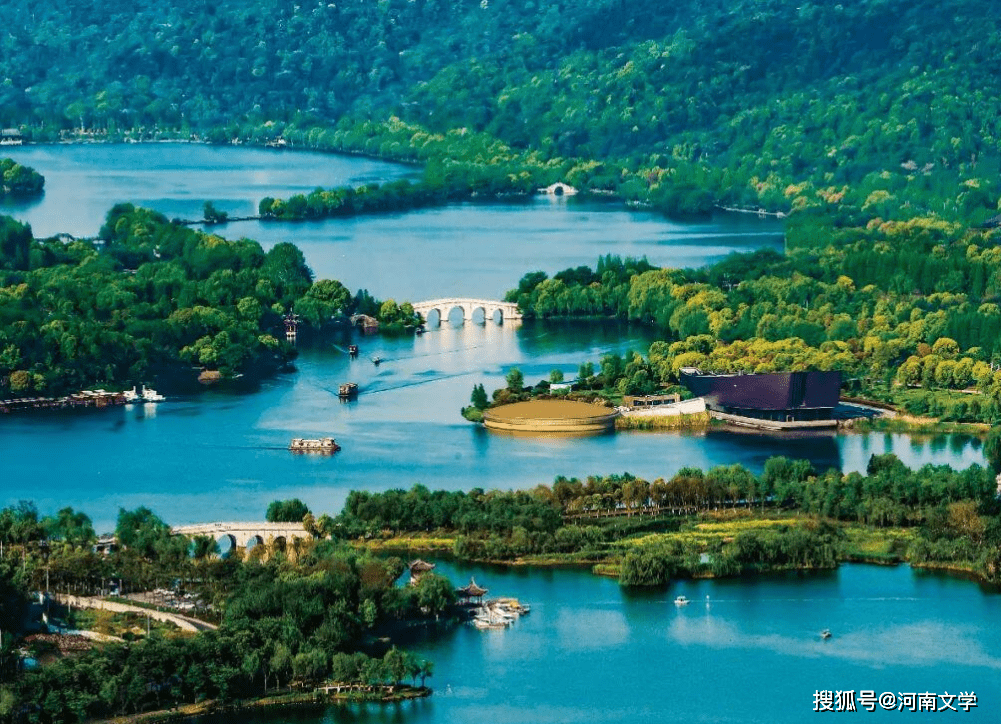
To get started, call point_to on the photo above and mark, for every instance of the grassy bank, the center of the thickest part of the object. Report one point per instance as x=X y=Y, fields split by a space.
x=416 y=542
x=710 y=534
x=694 y=421
x=921 y=426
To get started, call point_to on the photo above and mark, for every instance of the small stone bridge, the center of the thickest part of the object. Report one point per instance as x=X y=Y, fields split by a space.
x=245 y=535
x=508 y=310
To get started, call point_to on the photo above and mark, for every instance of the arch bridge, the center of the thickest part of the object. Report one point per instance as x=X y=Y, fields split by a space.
x=508 y=310
x=231 y=536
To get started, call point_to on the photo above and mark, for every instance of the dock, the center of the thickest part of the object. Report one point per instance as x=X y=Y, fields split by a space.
x=494 y=613
x=84 y=398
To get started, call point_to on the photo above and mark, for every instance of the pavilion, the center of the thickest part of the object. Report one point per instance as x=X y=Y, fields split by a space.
x=418 y=568
x=468 y=593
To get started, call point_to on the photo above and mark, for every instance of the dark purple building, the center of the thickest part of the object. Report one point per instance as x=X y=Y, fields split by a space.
x=776 y=396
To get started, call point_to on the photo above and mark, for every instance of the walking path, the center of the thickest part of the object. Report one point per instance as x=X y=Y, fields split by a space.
x=185 y=623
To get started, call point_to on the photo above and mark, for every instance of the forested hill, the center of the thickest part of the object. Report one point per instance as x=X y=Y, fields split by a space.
x=813 y=85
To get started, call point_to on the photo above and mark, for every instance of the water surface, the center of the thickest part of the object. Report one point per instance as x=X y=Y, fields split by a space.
x=223 y=456
x=478 y=250
x=751 y=652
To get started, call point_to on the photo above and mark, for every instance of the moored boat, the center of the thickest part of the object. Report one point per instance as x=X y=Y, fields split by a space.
x=151 y=395
x=322 y=445
x=681 y=601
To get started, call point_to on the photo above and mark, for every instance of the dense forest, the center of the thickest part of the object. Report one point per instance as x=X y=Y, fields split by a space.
x=884 y=103
x=306 y=612
x=302 y=615
x=18 y=180
x=870 y=125
x=651 y=528
x=154 y=300
x=921 y=314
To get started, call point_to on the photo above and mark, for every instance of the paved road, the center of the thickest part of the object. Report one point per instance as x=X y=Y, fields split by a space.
x=185 y=623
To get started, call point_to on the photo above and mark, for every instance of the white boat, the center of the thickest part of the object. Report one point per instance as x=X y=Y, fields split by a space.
x=681 y=601
x=130 y=395
x=825 y=634
x=151 y=395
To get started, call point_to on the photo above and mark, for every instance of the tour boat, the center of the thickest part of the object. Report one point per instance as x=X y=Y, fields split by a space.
x=681 y=601
x=148 y=394
x=151 y=395
x=322 y=445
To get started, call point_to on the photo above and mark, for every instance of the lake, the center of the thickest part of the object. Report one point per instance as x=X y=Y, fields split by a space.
x=589 y=651
x=478 y=250
x=744 y=650
x=223 y=455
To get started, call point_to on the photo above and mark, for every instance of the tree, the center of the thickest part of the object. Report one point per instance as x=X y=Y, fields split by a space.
x=556 y=375
x=73 y=527
x=515 y=380
x=141 y=529
x=286 y=511
x=15 y=243
x=281 y=663
x=285 y=266
x=203 y=547
x=20 y=524
x=427 y=670
x=479 y=397
x=434 y=593
x=212 y=215
x=992 y=449
x=395 y=662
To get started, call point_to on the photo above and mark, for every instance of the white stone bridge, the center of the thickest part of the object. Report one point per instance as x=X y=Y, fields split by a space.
x=245 y=535
x=508 y=310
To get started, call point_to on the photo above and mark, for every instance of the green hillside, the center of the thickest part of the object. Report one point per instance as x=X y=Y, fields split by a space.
x=741 y=98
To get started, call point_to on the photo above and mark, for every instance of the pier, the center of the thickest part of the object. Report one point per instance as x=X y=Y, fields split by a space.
x=84 y=398
x=757 y=212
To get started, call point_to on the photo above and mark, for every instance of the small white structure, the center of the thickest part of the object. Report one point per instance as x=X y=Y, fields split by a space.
x=559 y=189
x=148 y=394
x=564 y=386
x=685 y=407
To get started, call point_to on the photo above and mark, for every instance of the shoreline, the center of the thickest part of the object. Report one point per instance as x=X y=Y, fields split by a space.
x=609 y=566
x=303 y=699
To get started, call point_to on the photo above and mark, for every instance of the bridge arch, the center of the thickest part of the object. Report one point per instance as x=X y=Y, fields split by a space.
x=438 y=318
x=490 y=307
x=258 y=537
x=225 y=545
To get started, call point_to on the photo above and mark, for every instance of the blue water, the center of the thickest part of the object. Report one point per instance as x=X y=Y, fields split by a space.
x=478 y=250
x=589 y=651
x=223 y=456
x=592 y=652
